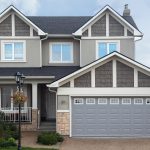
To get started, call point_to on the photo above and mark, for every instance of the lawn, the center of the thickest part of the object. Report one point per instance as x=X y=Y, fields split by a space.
x=14 y=148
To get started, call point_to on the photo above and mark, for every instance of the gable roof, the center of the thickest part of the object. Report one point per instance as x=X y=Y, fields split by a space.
x=11 y=7
x=56 y=83
x=127 y=20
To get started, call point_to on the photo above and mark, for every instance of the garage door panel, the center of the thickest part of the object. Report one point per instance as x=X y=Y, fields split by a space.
x=110 y=119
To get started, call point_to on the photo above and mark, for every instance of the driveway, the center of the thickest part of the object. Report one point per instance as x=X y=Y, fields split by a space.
x=105 y=144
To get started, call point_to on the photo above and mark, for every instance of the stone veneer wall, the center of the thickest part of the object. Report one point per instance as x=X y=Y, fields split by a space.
x=31 y=126
x=63 y=123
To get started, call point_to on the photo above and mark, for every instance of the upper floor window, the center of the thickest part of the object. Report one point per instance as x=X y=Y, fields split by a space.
x=13 y=51
x=106 y=47
x=61 y=52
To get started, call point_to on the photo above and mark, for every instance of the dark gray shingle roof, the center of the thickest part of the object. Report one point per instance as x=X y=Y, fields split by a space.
x=65 y=25
x=57 y=71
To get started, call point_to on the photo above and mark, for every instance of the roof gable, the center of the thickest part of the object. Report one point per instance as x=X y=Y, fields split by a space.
x=21 y=15
x=127 y=20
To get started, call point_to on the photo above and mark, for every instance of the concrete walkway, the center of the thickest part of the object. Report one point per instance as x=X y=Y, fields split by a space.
x=105 y=144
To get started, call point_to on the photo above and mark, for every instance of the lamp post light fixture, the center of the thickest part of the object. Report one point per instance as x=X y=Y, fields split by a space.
x=19 y=81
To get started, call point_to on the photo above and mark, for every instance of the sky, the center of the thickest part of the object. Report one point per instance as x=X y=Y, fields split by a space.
x=140 y=11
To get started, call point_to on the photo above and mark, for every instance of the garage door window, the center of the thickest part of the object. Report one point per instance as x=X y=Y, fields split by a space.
x=78 y=100
x=102 y=101
x=138 y=101
x=148 y=101
x=114 y=101
x=90 y=100
x=126 y=101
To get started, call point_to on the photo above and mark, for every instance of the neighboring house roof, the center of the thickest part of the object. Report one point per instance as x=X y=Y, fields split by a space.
x=57 y=71
x=56 y=83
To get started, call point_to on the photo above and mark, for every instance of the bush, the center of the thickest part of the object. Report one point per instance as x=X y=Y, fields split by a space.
x=7 y=143
x=49 y=138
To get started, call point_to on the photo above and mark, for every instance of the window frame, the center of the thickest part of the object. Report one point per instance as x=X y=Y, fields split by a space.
x=102 y=103
x=114 y=103
x=126 y=103
x=90 y=103
x=50 y=52
x=3 y=42
x=107 y=43
x=78 y=99
x=138 y=103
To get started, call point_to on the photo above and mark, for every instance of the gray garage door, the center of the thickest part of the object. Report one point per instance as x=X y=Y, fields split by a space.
x=111 y=117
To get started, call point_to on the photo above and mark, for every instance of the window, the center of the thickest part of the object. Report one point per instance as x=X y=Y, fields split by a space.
x=78 y=100
x=126 y=100
x=114 y=100
x=90 y=100
x=13 y=51
x=102 y=100
x=148 y=101
x=61 y=52
x=106 y=47
x=138 y=101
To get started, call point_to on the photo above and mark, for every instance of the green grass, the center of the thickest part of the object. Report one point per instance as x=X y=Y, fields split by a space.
x=15 y=148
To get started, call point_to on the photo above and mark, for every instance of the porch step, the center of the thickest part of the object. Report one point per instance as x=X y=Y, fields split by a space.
x=48 y=126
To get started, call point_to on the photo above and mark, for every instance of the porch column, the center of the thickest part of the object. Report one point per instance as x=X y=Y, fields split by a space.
x=34 y=95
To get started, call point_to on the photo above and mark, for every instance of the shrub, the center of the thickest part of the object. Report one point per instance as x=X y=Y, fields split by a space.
x=7 y=143
x=60 y=138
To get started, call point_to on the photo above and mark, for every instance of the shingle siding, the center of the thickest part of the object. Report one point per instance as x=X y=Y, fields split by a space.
x=129 y=33
x=83 y=81
x=115 y=28
x=21 y=28
x=66 y=85
x=125 y=75
x=6 y=27
x=85 y=33
x=143 y=80
x=99 y=27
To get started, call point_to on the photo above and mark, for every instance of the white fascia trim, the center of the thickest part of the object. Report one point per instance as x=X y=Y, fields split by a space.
x=40 y=32
x=79 y=31
x=63 y=110
x=56 y=83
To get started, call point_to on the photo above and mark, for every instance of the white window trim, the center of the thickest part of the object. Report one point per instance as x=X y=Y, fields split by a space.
x=50 y=52
x=138 y=103
x=107 y=41
x=126 y=103
x=78 y=99
x=102 y=103
x=114 y=103
x=89 y=99
x=13 y=41
x=147 y=99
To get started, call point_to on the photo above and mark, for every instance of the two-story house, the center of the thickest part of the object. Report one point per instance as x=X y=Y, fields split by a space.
x=81 y=73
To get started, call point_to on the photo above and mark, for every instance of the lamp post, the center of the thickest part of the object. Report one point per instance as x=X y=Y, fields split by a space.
x=19 y=81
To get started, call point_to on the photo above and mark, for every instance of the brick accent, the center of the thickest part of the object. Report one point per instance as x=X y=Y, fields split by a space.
x=31 y=126
x=63 y=123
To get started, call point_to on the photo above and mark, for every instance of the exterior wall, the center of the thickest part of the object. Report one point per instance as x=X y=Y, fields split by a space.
x=85 y=33
x=125 y=75
x=46 y=52
x=31 y=126
x=99 y=27
x=103 y=75
x=66 y=85
x=143 y=80
x=88 y=49
x=83 y=81
x=63 y=123
x=21 y=28
x=32 y=55
x=6 y=27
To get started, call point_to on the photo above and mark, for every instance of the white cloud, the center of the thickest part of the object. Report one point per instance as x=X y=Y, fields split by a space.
x=28 y=7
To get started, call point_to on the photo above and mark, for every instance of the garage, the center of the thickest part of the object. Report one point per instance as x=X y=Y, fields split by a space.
x=111 y=116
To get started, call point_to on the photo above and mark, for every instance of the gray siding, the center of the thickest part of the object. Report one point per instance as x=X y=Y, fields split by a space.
x=21 y=28
x=129 y=33
x=46 y=50
x=6 y=27
x=143 y=80
x=83 y=81
x=35 y=33
x=66 y=85
x=125 y=75
x=32 y=55
x=103 y=75
x=115 y=28
x=99 y=27
x=85 y=33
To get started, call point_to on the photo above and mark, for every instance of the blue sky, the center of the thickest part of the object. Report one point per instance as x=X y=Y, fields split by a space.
x=140 y=10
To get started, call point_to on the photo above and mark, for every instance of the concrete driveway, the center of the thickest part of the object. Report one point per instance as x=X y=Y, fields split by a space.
x=105 y=144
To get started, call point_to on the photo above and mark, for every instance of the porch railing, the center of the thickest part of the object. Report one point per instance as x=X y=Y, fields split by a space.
x=12 y=115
